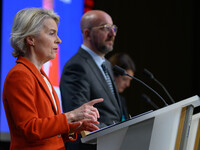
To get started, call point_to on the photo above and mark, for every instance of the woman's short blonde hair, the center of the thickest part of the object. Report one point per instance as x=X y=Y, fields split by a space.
x=28 y=22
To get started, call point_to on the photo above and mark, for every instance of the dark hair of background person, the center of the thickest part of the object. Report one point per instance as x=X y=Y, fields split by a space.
x=122 y=60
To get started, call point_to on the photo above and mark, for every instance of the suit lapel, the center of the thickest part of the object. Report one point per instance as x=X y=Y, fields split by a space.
x=54 y=94
x=41 y=81
x=99 y=76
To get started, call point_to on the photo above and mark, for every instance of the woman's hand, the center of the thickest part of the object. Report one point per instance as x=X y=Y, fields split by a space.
x=86 y=111
x=85 y=124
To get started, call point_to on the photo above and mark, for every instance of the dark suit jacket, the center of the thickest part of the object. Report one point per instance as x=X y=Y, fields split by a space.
x=82 y=81
x=33 y=120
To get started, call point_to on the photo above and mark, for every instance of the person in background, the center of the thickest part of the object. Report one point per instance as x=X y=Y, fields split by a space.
x=88 y=75
x=31 y=104
x=124 y=61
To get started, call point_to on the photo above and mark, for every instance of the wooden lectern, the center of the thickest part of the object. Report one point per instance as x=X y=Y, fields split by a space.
x=194 y=135
x=164 y=129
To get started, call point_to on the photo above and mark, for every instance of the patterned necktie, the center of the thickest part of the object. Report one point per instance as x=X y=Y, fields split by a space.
x=108 y=80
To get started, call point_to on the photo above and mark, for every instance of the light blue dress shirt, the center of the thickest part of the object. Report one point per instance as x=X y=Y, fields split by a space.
x=98 y=60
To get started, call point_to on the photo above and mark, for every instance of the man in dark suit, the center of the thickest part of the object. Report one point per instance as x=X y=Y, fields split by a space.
x=83 y=77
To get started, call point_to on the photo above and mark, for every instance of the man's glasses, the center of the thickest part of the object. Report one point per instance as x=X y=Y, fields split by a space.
x=108 y=28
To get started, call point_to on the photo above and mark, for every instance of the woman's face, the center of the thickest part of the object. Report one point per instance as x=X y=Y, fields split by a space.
x=46 y=44
x=123 y=81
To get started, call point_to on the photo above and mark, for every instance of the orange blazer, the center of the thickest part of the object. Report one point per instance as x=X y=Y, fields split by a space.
x=33 y=120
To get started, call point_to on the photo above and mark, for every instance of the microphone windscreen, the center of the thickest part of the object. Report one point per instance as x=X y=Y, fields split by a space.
x=148 y=74
x=119 y=70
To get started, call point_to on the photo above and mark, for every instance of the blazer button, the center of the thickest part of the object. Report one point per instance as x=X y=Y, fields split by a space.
x=59 y=135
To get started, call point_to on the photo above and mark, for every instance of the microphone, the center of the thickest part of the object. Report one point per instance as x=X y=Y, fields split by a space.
x=121 y=71
x=147 y=99
x=151 y=76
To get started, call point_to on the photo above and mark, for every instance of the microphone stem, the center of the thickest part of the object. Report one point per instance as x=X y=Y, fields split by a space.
x=172 y=100
x=148 y=88
x=145 y=97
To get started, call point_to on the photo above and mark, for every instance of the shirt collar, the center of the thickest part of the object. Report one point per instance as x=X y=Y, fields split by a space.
x=98 y=60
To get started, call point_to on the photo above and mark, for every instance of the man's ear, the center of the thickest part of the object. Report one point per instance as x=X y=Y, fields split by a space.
x=86 y=33
x=30 y=40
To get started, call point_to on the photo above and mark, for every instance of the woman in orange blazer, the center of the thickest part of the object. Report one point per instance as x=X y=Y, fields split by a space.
x=30 y=101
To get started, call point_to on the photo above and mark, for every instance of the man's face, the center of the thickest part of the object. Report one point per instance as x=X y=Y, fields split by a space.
x=103 y=36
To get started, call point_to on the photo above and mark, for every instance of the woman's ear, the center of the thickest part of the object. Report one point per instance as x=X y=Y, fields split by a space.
x=30 y=40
